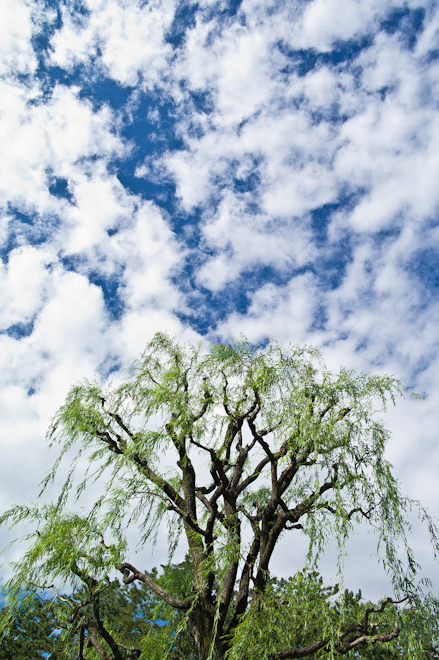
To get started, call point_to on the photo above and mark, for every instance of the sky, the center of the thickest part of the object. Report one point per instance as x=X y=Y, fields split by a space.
x=214 y=168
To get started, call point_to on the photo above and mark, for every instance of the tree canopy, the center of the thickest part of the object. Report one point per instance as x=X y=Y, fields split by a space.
x=233 y=448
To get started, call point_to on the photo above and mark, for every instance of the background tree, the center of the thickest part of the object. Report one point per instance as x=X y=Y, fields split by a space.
x=287 y=447
x=55 y=626
x=32 y=633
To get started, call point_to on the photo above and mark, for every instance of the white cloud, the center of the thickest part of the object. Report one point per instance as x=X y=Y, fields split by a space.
x=101 y=203
x=321 y=88
x=237 y=67
x=151 y=254
x=16 y=30
x=22 y=284
x=391 y=148
x=130 y=37
x=72 y=321
x=327 y=21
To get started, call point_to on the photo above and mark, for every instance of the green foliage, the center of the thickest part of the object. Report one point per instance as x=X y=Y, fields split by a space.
x=296 y=611
x=32 y=633
x=288 y=448
x=290 y=613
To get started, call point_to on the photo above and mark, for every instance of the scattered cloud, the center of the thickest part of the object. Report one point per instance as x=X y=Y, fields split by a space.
x=211 y=169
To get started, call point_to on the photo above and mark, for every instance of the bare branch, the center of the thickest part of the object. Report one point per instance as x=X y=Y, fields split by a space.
x=354 y=636
x=63 y=599
x=358 y=509
x=387 y=601
x=255 y=474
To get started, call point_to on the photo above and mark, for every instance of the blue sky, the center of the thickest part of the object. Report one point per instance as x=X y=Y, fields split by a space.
x=213 y=168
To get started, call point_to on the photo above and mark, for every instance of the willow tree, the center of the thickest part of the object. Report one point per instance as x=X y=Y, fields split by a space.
x=235 y=448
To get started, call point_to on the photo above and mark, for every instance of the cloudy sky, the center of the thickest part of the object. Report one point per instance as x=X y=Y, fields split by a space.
x=216 y=167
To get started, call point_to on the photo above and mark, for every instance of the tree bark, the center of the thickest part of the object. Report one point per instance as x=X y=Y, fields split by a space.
x=201 y=628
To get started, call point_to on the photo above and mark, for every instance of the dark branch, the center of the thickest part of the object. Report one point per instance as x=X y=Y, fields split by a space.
x=192 y=523
x=300 y=652
x=130 y=574
x=342 y=413
x=354 y=636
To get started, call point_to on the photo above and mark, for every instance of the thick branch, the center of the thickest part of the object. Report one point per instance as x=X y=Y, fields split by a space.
x=262 y=464
x=342 y=413
x=130 y=574
x=273 y=523
x=244 y=584
x=81 y=643
x=255 y=474
x=211 y=505
x=94 y=641
x=207 y=400
x=104 y=632
x=192 y=523
x=353 y=635
x=301 y=652
x=354 y=641
x=217 y=463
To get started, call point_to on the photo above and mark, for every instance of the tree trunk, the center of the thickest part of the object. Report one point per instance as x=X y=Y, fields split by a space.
x=201 y=629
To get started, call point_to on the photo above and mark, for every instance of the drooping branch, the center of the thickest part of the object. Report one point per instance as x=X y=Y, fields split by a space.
x=358 y=509
x=207 y=399
x=306 y=506
x=192 y=524
x=118 y=419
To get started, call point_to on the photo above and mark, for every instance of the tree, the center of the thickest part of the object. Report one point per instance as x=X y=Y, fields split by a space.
x=32 y=633
x=288 y=448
